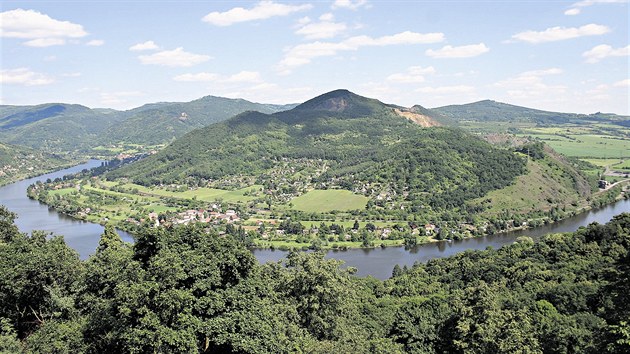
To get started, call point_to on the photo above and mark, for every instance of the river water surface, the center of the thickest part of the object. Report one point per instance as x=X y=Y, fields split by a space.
x=84 y=236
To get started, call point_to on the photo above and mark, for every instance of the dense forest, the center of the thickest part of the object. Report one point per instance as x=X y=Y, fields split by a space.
x=183 y=289
x=336 y=140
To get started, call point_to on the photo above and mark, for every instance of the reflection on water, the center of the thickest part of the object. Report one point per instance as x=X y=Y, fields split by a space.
x=379 y=262
x=32 y=215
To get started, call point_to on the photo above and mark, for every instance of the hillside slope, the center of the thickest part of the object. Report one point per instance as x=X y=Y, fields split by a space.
x=336 y=140
x=492 y=111
x=59 y=127
x=17 y=162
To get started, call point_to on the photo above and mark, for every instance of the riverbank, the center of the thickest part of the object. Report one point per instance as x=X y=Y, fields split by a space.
x=377 y=262
x=105 y=202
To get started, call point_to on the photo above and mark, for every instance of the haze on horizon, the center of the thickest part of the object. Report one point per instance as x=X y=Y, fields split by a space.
x=561 y=56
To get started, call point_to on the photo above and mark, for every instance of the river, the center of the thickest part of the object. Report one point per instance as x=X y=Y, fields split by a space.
x=81 y=235
x=84 y=236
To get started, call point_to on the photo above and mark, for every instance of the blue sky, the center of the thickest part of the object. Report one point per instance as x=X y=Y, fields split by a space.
x=569 y=56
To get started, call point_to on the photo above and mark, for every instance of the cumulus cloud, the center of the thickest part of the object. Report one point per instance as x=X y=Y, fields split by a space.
x=263 y=10
x=349 y=4
x=24 y=76
x=95 y=43
x=148 y=45
x=465 y=51
x=325 y=28
x=174 y=58
x=575 y=8
x=44 y=42
x=414 y=74
x=240 y=77
x=40 y=29
x=603 y=51
x=560 y=33
x=303 y=54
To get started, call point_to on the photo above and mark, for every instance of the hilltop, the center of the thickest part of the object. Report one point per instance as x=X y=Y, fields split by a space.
x=336 y=140
x=493 y=111
x=397 y=172
x=60 y=127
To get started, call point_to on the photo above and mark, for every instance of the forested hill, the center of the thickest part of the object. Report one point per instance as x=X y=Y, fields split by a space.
x=17 y=162
x=58 y=127
x=354 y=142
x=182 y=290
x=492 y=111
x=162 y=122
x=55 y=127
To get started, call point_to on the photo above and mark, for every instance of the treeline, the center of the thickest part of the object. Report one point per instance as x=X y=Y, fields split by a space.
x=184 y=290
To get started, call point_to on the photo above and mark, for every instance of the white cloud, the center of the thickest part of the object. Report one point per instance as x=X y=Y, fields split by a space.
x=45 y=42
x=302 y=54
x=42 y=30
x=560 y=33
x=622 y=83
x=572 y=12
x=148 y=45
x=176 y=57
x=74 y=74
x=24 y=76
x=447 y=90
x=414 y=74
x=531 y=84
x=240 y=77
x=326 y=28
x=262 y=10
x=575 y=8
x=348 y=4
x=603 y=51
x=466 y=51
x=95 y=43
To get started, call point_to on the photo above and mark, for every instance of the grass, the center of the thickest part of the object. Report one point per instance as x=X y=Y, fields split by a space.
x=63 y=191
x=329 y=200
x=203 y=194
x=542 y=184
x=602 y=162
x=581 y=142
x=624 y=165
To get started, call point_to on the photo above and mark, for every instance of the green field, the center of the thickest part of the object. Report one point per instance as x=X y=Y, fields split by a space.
x=329 y=200
x=581 y=142
x=203 y=194
x=624 y=165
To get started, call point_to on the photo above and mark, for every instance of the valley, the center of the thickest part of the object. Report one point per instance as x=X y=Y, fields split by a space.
x=344 y=171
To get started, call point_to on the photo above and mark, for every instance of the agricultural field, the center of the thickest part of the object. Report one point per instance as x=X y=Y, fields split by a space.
x=201 y=194
x=329 y=200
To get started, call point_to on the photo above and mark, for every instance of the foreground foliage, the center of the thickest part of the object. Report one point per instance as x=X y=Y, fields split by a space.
x=184 y=290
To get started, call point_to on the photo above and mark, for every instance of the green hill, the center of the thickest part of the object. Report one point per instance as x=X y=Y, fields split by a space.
x=58 y=127
x=54 y=127
x=17 y=162
x=160 y=123
x=336 y=140
x=492 y=111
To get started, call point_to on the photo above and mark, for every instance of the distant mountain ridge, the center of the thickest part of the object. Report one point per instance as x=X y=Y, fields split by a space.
x=493 y=111
x=64 y=127
x=338 y=140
